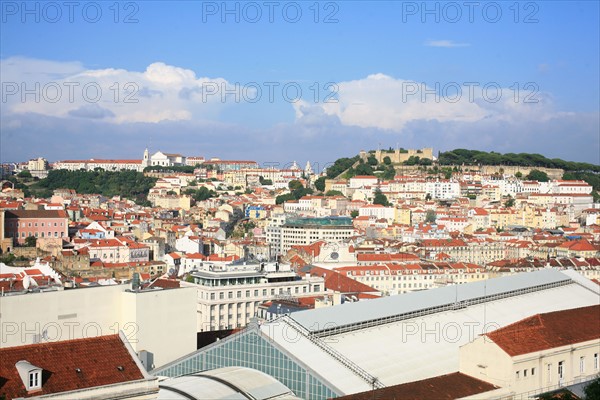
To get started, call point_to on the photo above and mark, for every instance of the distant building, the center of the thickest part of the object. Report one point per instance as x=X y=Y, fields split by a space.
x=230 y=165
x=107 y=165
x=304 y=231
x=167 y=159
x=20 y=224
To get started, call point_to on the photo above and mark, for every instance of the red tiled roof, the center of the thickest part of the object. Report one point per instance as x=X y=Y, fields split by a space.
x=443 y=387
x=35 y=214
x=549 y=330
x=387 y=257
x=339 y=282
x=97 y=358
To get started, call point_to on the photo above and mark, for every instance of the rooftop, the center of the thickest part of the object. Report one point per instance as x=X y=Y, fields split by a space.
x=549 y=330
x=445 y=387
x=69 y=365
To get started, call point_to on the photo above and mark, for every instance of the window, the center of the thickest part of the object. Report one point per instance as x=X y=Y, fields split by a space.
x=221 y=295
x=560 y=369
x=212 y=296
x=256 y=293
x=34 y=379
x=524 y=373
x=532 y=371
x=595 y=360
x=549 y=377
x=518 y=376
x=230 y=295
x=581 y=364
x=264 y=292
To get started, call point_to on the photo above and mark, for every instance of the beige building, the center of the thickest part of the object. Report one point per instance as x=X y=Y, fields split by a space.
x=539 y=353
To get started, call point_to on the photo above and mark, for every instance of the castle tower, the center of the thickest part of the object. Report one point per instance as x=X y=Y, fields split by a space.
x=146 y=159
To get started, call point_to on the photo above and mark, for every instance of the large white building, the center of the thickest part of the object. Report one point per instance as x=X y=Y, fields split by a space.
x=229 y=294
x=357 y=347
x=166 y=159
x=161 y=322
x=107 y=165
x=281 y=235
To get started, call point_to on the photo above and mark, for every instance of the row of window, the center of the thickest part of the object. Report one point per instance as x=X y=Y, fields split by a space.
x=561 y=368
x=35 y=224
x=255 y=293
x=38 y=234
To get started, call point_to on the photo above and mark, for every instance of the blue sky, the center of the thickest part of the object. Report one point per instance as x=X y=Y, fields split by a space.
x=382 y=57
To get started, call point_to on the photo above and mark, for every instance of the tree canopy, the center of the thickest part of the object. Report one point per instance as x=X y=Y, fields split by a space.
x=129 y=184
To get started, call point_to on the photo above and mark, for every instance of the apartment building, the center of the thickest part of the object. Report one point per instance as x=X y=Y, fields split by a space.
x=20 y=224
x=395 y=279
x=230 y=294
x=304 y=231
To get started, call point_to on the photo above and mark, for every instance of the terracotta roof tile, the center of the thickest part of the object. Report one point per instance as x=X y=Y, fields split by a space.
x=444 y=387
x=97 y=358
x=549 y=330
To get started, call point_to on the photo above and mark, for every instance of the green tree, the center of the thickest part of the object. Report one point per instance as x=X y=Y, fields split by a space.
x=430 y=216
x=24 y=174
x=372 y=160
x=510 y=202
x=334 y=193
x=354 y=214
x=364 y=169
x=265 y=182
x=295 y=184
x=380 y=198
x=388 y=173
x=320 y=183
x=30 y=241
x=284 y=197
x=592 y=390
x=537 y=175
x=518 y=175
x=387 y=160
x=428 y=197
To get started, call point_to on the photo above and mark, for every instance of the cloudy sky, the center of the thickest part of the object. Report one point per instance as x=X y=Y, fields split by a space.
x=279 y=82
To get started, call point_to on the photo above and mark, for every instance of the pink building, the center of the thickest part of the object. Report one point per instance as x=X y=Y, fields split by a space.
x=20 y=224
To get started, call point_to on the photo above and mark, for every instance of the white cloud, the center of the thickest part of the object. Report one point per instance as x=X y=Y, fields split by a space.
x=445 y=43
x=383 y=102
x=63 y=89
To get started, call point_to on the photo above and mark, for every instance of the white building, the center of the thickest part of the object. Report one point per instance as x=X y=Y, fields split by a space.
x=161 y=322
x=229 y=294
x=304 y=231
x=166 y=159
x=443 y=189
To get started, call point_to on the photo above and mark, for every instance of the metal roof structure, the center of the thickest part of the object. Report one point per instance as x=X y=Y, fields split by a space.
x=355 y=347
x=387 y=309
x=225 y=383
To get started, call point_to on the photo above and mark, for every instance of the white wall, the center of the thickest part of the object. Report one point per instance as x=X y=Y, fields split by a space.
x=162 y=322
